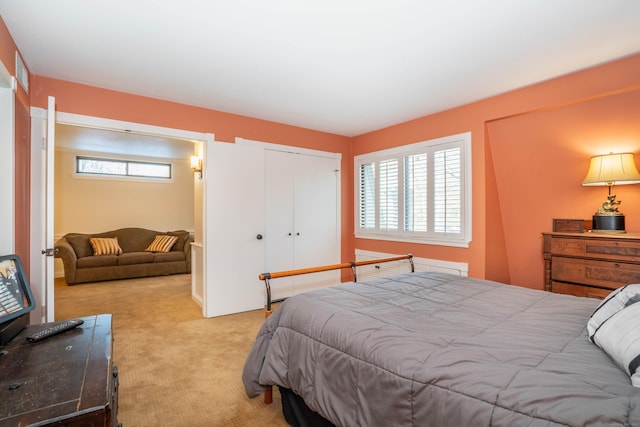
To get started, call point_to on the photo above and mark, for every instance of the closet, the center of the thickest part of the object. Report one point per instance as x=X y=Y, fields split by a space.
x=266 y=208
x=301 y=219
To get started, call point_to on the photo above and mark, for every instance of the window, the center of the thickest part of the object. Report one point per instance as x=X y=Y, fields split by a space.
x=416 y=193
x=128 y=168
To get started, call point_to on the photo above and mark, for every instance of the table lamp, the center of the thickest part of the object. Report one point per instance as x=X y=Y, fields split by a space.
x=611 y=169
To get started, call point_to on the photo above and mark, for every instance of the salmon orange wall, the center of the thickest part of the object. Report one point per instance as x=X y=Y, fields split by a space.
x=8 y=51
x=546 y=122
x=91 y=101
x=531 y=150
x=540 y=160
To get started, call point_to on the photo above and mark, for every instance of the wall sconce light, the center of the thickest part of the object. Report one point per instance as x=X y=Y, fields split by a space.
x=611 y=169
x=196 y=165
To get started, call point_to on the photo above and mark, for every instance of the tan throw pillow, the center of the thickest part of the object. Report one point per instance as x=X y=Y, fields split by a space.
x=105 y=246
x=162 y=243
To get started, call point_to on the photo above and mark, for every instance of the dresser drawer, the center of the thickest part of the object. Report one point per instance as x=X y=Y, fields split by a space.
x=597 y=248
x=616 y=250
x=568 y=269
x=579 y=290
x=611 y=274
x=605 y=274
x=569 y=247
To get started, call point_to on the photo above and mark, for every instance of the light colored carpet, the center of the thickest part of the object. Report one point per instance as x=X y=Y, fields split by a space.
x=176 y=368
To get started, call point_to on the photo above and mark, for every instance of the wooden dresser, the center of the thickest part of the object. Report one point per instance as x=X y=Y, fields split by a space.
x=67 y=380
x=590 y=264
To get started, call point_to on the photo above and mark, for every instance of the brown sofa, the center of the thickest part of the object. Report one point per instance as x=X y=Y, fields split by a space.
x=81 y=265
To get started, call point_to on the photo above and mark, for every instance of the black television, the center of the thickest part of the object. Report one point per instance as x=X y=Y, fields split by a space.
x=16 y=299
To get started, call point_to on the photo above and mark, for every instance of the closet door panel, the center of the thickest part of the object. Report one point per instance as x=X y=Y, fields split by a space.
x=278 y=237
x=315 y=215
x=301 y=220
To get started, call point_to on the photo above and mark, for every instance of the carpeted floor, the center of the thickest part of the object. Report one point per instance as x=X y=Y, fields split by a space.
x=176 y=368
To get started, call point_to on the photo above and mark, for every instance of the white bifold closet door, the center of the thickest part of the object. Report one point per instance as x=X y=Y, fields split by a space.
x=301 y=220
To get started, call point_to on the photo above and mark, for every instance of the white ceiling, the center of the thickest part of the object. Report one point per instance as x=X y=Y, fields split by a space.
x=342 y=66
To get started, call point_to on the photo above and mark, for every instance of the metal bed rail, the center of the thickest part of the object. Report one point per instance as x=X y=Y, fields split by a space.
x=268 y=394
x=353 y=264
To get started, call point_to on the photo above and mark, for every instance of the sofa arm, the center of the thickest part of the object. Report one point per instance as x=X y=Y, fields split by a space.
x=187 y=251
x=69 y=259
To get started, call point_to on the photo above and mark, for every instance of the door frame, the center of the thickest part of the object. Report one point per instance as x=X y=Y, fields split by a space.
x=38 y=184
x=7 y=160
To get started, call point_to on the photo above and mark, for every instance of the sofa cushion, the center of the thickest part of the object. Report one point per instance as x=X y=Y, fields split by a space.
x=129 y=258
x=162 y=243
x=168 y=256
x=133 y=239
x=105 y=246
x=97 y=261
x=182 y=236
x=80 y=244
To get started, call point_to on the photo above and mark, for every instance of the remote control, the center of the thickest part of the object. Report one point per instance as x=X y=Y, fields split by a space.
x=54 y=329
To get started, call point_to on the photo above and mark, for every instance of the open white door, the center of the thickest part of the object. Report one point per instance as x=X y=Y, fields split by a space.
x=48 y=251
x=233 y=241
x=41 y=223
x=7 y=161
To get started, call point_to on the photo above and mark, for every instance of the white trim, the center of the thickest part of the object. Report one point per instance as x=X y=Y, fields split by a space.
x=287 y=148
x=119 y=125
x=197 y=284
x=122 y=126
x=409 y=148
x=6 y=79
x=123 y=177
x=7 y=160
x=425 y=241
x=461 y=240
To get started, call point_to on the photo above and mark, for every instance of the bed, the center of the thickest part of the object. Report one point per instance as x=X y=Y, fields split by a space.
x=433 y=349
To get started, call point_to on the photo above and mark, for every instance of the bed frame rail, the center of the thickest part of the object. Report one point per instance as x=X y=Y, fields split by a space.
x=352 y=264
x=268 y=394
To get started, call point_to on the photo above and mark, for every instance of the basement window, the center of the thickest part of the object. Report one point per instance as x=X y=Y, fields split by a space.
x=122 y=168
x=418 y=193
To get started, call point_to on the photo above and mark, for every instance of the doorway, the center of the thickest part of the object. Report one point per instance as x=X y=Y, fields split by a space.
x=92 y=125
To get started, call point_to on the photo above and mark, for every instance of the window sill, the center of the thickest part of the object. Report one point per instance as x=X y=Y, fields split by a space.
x=459 y=243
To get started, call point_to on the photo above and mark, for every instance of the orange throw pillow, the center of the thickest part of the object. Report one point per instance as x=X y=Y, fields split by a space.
x=105 y=246
x=162 y=243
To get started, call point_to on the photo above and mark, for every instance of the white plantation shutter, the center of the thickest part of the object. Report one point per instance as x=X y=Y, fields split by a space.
x=447 y=191
x=418 y=192
x=389 y=194
x=367 y=206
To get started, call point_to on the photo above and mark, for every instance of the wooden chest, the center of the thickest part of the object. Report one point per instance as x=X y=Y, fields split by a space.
x=571 y=225
x=67 y=380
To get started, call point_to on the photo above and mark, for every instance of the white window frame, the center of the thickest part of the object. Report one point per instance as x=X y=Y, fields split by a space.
x=461 y=239
x=125 y=176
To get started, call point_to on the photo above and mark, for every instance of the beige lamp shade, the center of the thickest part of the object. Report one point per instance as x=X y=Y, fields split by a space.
x=612 y=169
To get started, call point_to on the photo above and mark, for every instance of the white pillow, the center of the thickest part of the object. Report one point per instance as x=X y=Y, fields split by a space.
x=613 y=303
x=619 y=337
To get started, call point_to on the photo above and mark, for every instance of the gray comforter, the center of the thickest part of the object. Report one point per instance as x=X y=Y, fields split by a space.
x=431 y=349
